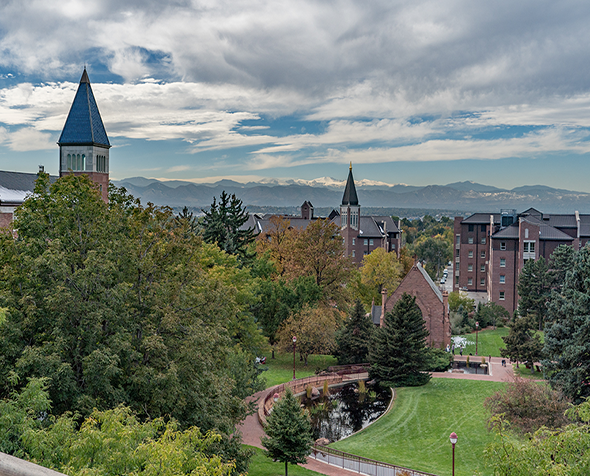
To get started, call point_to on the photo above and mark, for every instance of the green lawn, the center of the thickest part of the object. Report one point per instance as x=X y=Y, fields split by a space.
x=526 y=373
x=489 y=342
x=260 y=465
x=280 y=369
x=415 y=434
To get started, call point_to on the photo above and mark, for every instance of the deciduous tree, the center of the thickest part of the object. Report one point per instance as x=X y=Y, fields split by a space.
x=523 y=344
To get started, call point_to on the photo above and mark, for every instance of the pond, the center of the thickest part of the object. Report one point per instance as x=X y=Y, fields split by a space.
x=474 y=368
x=345 y=410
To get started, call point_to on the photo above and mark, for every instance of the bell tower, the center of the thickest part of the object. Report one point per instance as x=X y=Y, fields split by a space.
x=350 y=215
x=83 y=144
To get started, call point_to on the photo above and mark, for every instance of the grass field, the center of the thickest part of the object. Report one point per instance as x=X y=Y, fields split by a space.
x=489 y=342
x=260 y=465
x=415 y=434
x=280 y=369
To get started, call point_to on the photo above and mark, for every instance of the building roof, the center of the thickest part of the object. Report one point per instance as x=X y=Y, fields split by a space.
x=350 y=197
x=508 y=233
x=546 y=231
x=481 y=219
x=16 y=186
x=84 y=125
x=375 y=226
x=429 y=280
x=561 y=221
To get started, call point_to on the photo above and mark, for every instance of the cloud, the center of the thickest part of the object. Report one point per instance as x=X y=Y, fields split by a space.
x=27 y=138
x=179 y=168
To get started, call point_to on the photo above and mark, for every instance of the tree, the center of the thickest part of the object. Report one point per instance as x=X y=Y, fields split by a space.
x=289 y=437
x=567 y=336
x=562 y=261
x=534 y=289
x=121 y=304
x=315 y=329
x=460 y=299
x=278 y=243
x=354 y=339
x=436 y=251
x=399 y=356
x=380 y=270
x=491 y=314
x=522 y=343
x=548 y=452
x=223 y=224
x=528 y=406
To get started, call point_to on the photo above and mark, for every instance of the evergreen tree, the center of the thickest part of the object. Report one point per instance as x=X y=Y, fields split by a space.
x=354 y=340
x=223 y=225
x=522 y=343
x=289 y=437
x=562 y=261
x=399 y=356
x=567 y=338
x=534 y=290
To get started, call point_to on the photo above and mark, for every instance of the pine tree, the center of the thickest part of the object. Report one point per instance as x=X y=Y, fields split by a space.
x=567 y=339
x=223 y=225
x=354 y=340
x=534 y=290
x=289 y=433
x=522 y=343
x=399 y=356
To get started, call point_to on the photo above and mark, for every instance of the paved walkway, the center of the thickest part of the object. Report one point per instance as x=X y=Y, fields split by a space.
x=252 y=430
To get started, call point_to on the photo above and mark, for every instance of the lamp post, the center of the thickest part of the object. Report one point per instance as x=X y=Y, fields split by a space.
x=453 y=437
x=294 y=341
x=476 y=329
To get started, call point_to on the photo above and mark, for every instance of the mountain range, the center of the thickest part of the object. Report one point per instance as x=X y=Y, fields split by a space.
x=327 y=192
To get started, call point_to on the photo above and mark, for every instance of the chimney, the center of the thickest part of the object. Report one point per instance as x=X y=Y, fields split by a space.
x=383 y=302
x=41 y=169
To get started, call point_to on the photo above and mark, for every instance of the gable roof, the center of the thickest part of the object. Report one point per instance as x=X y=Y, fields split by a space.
x=84 y=125
x=350 y=197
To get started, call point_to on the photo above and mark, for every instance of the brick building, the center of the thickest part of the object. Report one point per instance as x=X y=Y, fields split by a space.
x=432 y=303
x=491 y=249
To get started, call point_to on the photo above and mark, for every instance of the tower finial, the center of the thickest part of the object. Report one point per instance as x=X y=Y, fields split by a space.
x=350 y=168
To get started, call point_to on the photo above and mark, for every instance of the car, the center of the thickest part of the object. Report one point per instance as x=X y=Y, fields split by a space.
x=443 y=280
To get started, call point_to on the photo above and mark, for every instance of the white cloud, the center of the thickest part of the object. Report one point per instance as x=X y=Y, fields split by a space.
x=27 y=138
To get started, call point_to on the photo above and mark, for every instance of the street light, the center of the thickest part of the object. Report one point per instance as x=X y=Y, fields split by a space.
x=476 y=329
x=453 y=437
x=294 y=341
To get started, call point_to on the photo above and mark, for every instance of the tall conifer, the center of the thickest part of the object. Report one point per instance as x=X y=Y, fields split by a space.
x=354 y=340
x=399 y=356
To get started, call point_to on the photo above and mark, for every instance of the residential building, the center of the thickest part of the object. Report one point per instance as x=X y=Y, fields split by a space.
x=490 y=249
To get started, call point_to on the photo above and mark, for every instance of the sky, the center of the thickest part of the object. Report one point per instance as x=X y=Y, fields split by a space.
x=415 y=92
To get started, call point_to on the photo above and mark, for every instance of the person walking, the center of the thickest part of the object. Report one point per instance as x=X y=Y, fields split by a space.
x=461 y=350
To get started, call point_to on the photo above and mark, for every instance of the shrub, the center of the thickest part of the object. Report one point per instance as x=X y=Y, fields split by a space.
x=440 y=360
x=528 y=405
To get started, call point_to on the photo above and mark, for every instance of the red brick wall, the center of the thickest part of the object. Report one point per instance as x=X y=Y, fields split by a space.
x=6 y=220
x=433 y=310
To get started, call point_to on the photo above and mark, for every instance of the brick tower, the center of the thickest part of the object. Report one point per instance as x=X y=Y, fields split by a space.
x=83 y=144
x=350 y=215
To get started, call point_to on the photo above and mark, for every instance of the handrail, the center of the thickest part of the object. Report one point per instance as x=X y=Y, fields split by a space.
x=13 y=466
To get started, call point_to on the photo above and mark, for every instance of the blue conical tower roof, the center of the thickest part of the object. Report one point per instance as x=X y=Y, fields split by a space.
x=84 y=125
x=350 y=197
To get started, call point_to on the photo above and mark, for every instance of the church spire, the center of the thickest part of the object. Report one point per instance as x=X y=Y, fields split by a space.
x=350 y=197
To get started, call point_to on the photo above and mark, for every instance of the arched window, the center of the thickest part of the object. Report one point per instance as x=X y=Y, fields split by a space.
x=69 y=162
x=83 y=162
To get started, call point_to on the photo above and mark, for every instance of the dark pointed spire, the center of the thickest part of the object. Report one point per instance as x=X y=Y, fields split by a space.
x=84 y=125
x=350 y=197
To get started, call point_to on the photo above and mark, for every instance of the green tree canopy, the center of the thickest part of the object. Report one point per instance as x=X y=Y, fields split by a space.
x=534 y=290
x=399 y=356
x=120 y=304
x=523 y=344
x=436 y=251
x=289 y=436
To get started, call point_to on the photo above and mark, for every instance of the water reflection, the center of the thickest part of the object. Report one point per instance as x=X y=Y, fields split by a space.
x=345 y=410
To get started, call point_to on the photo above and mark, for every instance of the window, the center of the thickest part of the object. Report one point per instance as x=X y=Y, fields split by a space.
x=366 y=242
x=470 y=240
x=483 y=228
x=469 y=267
x=502 y=246
x=502 y=298
x=482 y=281
x=458 y=239
x=365 y=253
x=483 y=240
x=371 y=242
x=457 y=280
x=469 y=281
x=470 y=254
x=482 y=268
x=529 y=246
x=470 y=227
x=353 y=242
x=502 y=262
x=457 y=252
x=393 y=246
x=526 y=232
x=482 y=254
x=502 y=279
x=353 y=253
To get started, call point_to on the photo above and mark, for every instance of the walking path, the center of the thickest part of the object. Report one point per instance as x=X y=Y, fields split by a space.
x=252 y=430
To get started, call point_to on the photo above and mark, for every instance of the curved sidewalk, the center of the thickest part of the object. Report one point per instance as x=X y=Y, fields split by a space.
x=252 y=430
